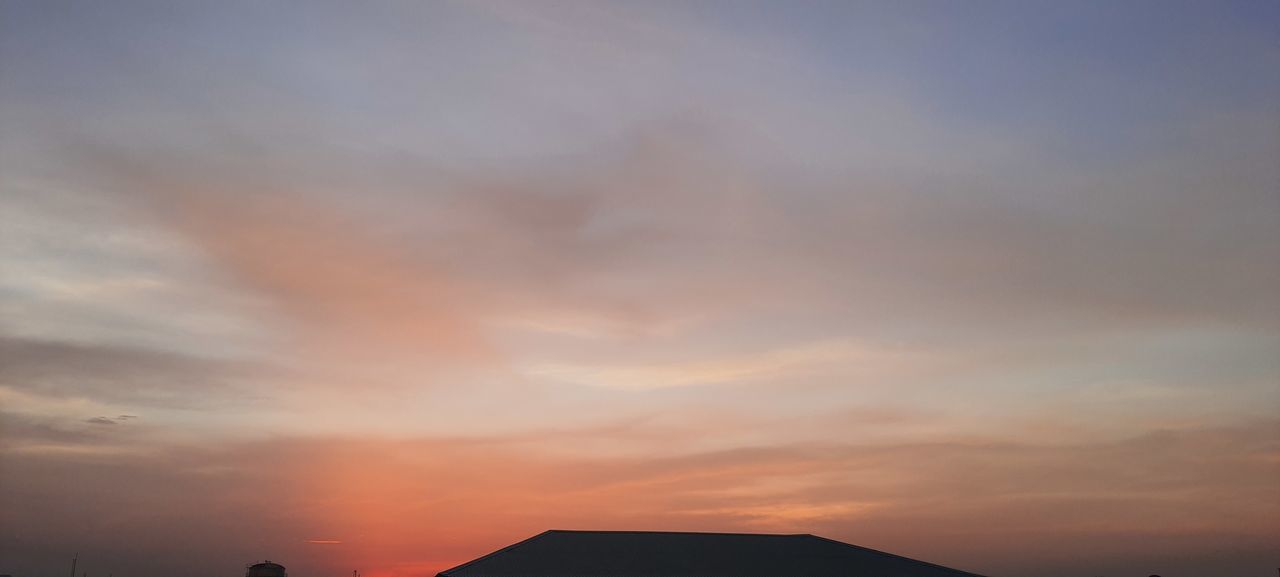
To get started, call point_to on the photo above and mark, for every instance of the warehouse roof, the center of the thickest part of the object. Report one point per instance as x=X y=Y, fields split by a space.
x=664 y=554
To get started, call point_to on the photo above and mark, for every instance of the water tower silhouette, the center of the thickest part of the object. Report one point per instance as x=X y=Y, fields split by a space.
x=265 y=569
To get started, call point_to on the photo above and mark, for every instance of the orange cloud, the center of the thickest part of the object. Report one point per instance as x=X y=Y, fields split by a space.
x=326 y=271
x=412 y=507
x=429 y=504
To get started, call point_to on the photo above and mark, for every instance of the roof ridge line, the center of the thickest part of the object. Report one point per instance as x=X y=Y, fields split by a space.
x=893 y=555
x=446 y=572
x=678 y=532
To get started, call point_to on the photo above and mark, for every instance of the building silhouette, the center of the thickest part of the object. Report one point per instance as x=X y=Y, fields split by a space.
x=665 y=554
x=265 y=569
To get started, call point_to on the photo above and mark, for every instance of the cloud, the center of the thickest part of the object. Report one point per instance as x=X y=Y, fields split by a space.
x=324 y=271
x=123 y=375
x=431 y=257
x=867 y=362
x=436 y=502
x=632 y=267
x=109 y=420
x=86 y=268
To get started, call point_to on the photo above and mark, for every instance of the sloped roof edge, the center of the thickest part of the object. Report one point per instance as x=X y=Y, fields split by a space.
x=459 y=568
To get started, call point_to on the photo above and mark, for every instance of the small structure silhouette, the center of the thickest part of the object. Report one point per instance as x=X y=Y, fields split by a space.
x=265 y=569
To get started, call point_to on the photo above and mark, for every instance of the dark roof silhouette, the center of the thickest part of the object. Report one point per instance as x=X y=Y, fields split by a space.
x=661 y=554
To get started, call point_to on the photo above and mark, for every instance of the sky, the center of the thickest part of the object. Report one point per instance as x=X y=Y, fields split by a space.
x=384 y=286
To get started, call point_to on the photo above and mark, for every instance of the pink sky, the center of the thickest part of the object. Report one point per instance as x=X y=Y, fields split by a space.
x=387 y=287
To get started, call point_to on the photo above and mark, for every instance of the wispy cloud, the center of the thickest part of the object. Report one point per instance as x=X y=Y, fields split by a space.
x=370 y=496
x=787 y=364
x=983 y=284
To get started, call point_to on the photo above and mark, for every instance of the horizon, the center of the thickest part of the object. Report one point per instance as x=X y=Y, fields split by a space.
x=386 y=286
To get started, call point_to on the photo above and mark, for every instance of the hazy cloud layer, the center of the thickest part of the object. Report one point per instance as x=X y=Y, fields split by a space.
x=1194 y=490
x=386 y=286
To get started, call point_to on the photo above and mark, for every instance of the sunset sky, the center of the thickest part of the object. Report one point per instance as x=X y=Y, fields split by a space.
x=388 y=285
